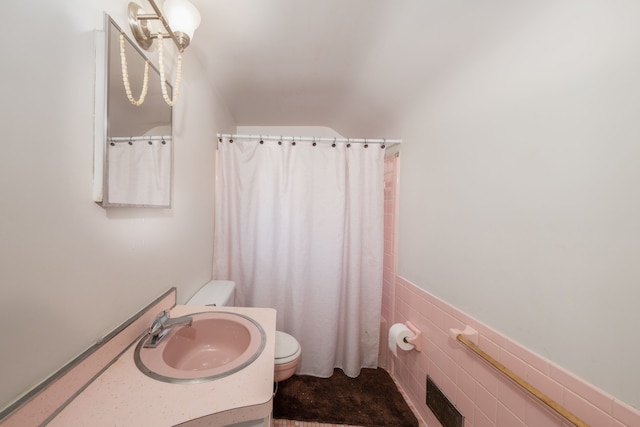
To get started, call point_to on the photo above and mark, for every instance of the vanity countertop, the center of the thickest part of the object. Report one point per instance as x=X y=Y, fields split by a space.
x=124 y=396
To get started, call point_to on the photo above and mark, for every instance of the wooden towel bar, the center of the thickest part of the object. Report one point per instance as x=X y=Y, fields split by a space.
x=522 y=383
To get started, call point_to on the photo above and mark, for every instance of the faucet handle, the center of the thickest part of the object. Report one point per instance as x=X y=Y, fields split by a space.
x=163 y=315
x=159 y=322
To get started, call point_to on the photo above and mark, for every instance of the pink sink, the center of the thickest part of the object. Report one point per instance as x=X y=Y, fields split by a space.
x=217 y=344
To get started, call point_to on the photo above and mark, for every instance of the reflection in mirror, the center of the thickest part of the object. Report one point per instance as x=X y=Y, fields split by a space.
x=153 y=117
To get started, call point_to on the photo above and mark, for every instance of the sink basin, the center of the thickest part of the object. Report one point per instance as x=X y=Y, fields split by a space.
x=216 y=344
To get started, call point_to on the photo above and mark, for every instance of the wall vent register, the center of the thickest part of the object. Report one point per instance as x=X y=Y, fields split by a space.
x=444 y=410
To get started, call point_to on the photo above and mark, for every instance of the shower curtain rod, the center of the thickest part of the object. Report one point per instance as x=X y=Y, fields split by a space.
x=139 y=138
x=312 y=138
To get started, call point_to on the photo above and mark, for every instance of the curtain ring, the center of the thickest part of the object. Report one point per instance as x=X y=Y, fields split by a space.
x=293 y=140
x=280 y=142
x=163 y=141
x=384 y=142
x=366 y=144
x=261 y=140
x=314 y=141
x=334 y=142
x=348 y=143
x=150 y=142
x=130 y=141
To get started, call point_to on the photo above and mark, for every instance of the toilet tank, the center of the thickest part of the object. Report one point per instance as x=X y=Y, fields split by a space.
x=215 y=292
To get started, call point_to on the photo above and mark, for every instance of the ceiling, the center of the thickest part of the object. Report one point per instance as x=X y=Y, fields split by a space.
x=352 y=65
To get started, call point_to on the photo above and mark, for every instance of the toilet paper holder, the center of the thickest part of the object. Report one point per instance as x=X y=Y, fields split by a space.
x=416 y=339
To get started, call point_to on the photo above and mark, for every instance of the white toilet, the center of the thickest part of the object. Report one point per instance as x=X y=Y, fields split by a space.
x=288 y=350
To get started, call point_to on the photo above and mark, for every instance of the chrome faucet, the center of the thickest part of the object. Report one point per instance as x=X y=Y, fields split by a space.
x=162 y=324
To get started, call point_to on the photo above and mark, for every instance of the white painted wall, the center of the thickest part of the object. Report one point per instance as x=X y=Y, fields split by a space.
x=317 y=131
x=71 y=271
x=519 y=188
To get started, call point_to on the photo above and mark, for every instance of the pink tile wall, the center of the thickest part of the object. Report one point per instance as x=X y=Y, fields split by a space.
x=485 y=396
x=388 y=284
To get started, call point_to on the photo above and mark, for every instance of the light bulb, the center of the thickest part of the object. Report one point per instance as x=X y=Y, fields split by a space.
x=183 y=16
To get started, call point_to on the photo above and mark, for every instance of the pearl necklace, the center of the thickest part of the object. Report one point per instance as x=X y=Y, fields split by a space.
x=125 y=76
x=163 y=85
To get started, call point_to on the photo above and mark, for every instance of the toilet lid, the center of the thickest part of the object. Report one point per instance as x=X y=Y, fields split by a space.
x=286 y=345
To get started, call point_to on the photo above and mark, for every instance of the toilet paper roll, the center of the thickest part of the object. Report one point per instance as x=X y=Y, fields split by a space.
x=397 y=333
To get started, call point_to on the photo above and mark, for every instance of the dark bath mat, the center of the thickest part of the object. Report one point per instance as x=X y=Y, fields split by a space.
x=372 y=399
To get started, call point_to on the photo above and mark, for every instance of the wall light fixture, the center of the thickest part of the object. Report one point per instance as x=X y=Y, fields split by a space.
x=180 y=20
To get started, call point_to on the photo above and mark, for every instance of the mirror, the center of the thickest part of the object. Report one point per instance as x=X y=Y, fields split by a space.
x=133 y=147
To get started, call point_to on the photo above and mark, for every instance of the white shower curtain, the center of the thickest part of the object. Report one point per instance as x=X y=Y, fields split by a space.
x=300 y=228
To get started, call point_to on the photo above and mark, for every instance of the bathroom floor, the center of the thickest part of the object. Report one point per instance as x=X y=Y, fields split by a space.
x=290 y=423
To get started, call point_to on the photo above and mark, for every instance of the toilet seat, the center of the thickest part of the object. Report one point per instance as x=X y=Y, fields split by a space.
x=287 y=348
